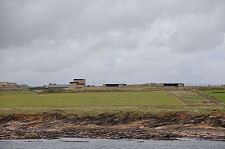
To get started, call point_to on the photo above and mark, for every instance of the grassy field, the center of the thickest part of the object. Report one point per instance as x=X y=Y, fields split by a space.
x=220 y=96
x=192 y=98
x=98 y=102
x=27 y=99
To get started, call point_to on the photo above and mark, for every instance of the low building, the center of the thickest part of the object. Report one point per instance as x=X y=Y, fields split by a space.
x=8 y=85
x=78 y=83
x=58 y=86
x=167 y=84
x=114 y=85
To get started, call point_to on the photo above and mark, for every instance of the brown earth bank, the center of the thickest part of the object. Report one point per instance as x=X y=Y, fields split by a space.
x=113 y=125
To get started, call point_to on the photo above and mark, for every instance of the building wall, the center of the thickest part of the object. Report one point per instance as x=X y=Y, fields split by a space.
x=180 y=84
x=78 y=83
x=2 y=84
x=8 y=84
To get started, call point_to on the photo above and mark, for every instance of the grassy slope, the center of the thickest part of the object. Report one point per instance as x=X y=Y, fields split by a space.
x=88 y=99
x=220 y=96
x=192 y=98
x=6 y=93
x=98 y=102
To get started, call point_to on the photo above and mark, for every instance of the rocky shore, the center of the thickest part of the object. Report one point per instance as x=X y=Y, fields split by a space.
x=164 y=126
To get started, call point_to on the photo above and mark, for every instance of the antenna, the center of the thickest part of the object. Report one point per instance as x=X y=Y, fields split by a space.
x=93 y=81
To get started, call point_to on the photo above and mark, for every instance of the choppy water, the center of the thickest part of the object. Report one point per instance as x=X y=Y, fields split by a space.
x=75 y=143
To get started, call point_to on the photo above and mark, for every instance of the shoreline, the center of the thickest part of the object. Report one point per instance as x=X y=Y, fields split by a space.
x=73 y=139
x=163 y=126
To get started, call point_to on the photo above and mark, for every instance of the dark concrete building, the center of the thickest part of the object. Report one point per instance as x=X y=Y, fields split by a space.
x=167 y=84
x=114 y=85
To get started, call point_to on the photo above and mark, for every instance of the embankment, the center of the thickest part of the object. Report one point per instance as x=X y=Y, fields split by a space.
x=113 y=125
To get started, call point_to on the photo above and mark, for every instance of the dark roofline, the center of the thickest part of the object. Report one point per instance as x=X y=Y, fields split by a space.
x=173 y=83
x=79 y=79
x=115 y=83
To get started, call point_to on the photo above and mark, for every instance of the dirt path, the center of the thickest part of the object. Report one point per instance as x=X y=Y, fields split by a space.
x=212 y=99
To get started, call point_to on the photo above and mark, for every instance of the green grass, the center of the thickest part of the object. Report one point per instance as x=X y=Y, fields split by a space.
x=6 y=93
x=220 y=96
x=192 y=98
x=25 y=99
x=92 y=103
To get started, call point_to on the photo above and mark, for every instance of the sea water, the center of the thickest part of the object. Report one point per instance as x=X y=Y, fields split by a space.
x=78 y=143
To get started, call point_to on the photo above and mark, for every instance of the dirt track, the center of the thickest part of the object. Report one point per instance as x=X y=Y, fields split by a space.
x=116 y=126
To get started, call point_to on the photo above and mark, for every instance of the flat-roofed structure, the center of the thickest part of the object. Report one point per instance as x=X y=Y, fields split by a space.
x=174 y=84
x=114 y=85
x=78 y=83
x=58 y=86
x=167 y=84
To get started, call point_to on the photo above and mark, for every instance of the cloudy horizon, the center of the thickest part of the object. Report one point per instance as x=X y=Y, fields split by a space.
x=114 y=41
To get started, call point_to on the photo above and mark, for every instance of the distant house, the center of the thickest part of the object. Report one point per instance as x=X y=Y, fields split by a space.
x=8 y=85
x=78 y=83
x=114 y=85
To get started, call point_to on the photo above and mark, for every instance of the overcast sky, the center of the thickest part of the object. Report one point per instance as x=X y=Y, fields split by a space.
x=112 y=41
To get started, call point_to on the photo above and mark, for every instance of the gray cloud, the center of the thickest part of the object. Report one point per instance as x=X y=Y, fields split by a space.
x=127 y=41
